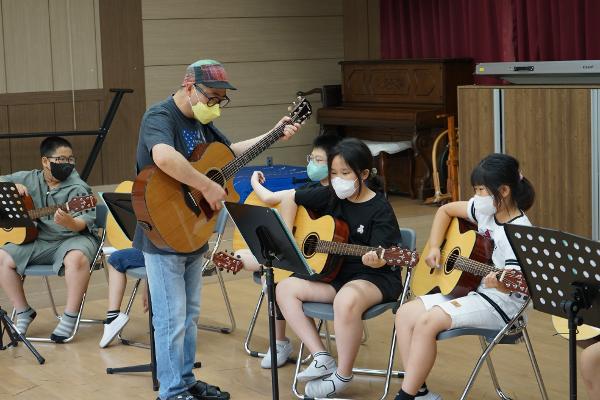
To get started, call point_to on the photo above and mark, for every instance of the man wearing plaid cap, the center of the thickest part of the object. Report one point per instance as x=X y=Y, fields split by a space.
x=169 y=132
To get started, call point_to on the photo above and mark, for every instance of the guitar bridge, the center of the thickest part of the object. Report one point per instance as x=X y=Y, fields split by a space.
x=190 y=201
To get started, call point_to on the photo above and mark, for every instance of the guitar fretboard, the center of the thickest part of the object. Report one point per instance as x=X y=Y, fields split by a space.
x=45 y=211
x=471 y=266
x=344 y=249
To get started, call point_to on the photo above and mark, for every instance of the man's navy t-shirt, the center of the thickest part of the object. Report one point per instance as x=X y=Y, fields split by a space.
x=164 y=123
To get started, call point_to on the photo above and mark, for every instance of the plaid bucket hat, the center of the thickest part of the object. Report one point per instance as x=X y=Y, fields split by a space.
x=209 y=73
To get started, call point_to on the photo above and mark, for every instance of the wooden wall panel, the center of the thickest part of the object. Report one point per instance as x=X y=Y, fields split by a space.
x=361 y=30
x=25 y=153
x=73 y=29
x=5 y=143
x=2 y=63
x=243 y=39
x=548 y=130
x=27 y=47
x=87 y=117
x=476 y=132
x=122 y=66
x=255 y=87
x=172 y=9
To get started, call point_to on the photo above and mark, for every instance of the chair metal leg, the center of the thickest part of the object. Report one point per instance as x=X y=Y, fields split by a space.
x=534 y=365
x=125 y=341
x=51 y=296
x=232 y=325
x=250 y=352
x=492 y=370
x=300 y=361
x=327 y=336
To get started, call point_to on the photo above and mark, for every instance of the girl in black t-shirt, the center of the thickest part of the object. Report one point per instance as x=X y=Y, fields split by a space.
x=362 y=282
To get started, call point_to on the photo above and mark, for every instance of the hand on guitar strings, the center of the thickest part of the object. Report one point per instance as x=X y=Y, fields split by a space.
x=433 y=258
x=214 y=194
x=22 y=189
x=64 y=219
x=491 y=281
x=289 y=130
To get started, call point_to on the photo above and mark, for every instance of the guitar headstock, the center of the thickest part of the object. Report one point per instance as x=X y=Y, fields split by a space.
x=228 y=262
x=513 y=280
x=403 y=257
x=81 y=203
x=300 y=110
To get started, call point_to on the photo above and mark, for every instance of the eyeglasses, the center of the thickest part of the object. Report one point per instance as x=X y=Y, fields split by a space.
x=63 y=159
x=213 y=100
x=317 y=160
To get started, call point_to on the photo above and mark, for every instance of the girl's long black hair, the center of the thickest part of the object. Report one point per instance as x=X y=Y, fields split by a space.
x=496 y=170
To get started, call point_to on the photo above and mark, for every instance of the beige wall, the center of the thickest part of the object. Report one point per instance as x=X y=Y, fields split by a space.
x=270 y=48
x=61 y=53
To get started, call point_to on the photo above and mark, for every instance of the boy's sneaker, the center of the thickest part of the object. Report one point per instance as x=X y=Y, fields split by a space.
x=284 y=349
x=322 y=364
x=112 y=330
x=428 y=396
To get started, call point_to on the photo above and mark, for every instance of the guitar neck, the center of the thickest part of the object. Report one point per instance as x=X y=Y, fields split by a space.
x=45 y=211
x=235 y=165
x=473 y=267
x=344 y=249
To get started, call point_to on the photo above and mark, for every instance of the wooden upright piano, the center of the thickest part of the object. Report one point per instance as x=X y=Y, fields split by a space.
x=398 y=100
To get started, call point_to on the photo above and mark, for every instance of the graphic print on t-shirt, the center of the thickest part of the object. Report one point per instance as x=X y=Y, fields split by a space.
x=192 y=138
x=361 y=229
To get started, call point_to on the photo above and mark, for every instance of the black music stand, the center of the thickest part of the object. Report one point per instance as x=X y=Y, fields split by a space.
x=272 y=244
x=120 y=207
x=562 y=271
x=13 y=214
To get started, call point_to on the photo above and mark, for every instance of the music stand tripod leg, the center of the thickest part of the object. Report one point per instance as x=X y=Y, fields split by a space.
x=151 y=367
x=15 y=336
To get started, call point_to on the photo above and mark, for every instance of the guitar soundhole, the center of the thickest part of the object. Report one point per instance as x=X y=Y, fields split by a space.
x=449 y=264
x=309 y=246
x=216 y=176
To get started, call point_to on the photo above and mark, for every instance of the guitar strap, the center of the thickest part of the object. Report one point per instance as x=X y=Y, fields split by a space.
x=496 y=306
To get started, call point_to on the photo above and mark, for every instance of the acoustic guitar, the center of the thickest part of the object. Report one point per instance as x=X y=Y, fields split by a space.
x=323 y=240
x=178 y=217
x=466 y=255
x=584 y=332
x=29 y=234
x=114 y=234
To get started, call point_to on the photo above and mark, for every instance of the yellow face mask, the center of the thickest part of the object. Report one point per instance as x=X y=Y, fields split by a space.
x=204 y=113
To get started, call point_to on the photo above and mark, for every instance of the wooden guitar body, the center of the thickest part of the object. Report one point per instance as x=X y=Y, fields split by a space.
x=461 y=239
x=584 y=332
x=305 y=226
x=165 y=210
x=20 y=235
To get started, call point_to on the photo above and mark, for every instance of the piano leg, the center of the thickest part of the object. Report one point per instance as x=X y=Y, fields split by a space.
x=422 y=144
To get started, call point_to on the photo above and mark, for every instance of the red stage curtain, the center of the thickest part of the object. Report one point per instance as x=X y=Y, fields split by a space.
x=491 y=30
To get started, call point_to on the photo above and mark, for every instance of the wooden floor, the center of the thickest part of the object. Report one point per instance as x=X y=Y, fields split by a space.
x=77 y=370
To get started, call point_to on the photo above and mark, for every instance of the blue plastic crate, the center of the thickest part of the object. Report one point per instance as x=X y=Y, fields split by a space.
x=278 y=177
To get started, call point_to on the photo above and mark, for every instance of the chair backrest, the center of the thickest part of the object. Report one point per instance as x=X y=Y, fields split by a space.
x=221 y=221
x=409 y=238
x=101 y=213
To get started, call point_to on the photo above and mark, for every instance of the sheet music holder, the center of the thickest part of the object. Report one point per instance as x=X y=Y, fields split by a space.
x=120 y=207
x=562 y=271
x=248 y=218
x=272 y=244
x=13 y=212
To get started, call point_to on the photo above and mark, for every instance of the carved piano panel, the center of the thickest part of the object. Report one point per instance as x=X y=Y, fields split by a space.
x=394 y=100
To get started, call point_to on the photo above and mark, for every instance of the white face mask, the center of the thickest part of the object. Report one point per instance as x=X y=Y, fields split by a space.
x=343 y=188
x=485 y=204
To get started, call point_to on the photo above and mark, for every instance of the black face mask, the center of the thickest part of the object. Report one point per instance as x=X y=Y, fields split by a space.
x=61 y=171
